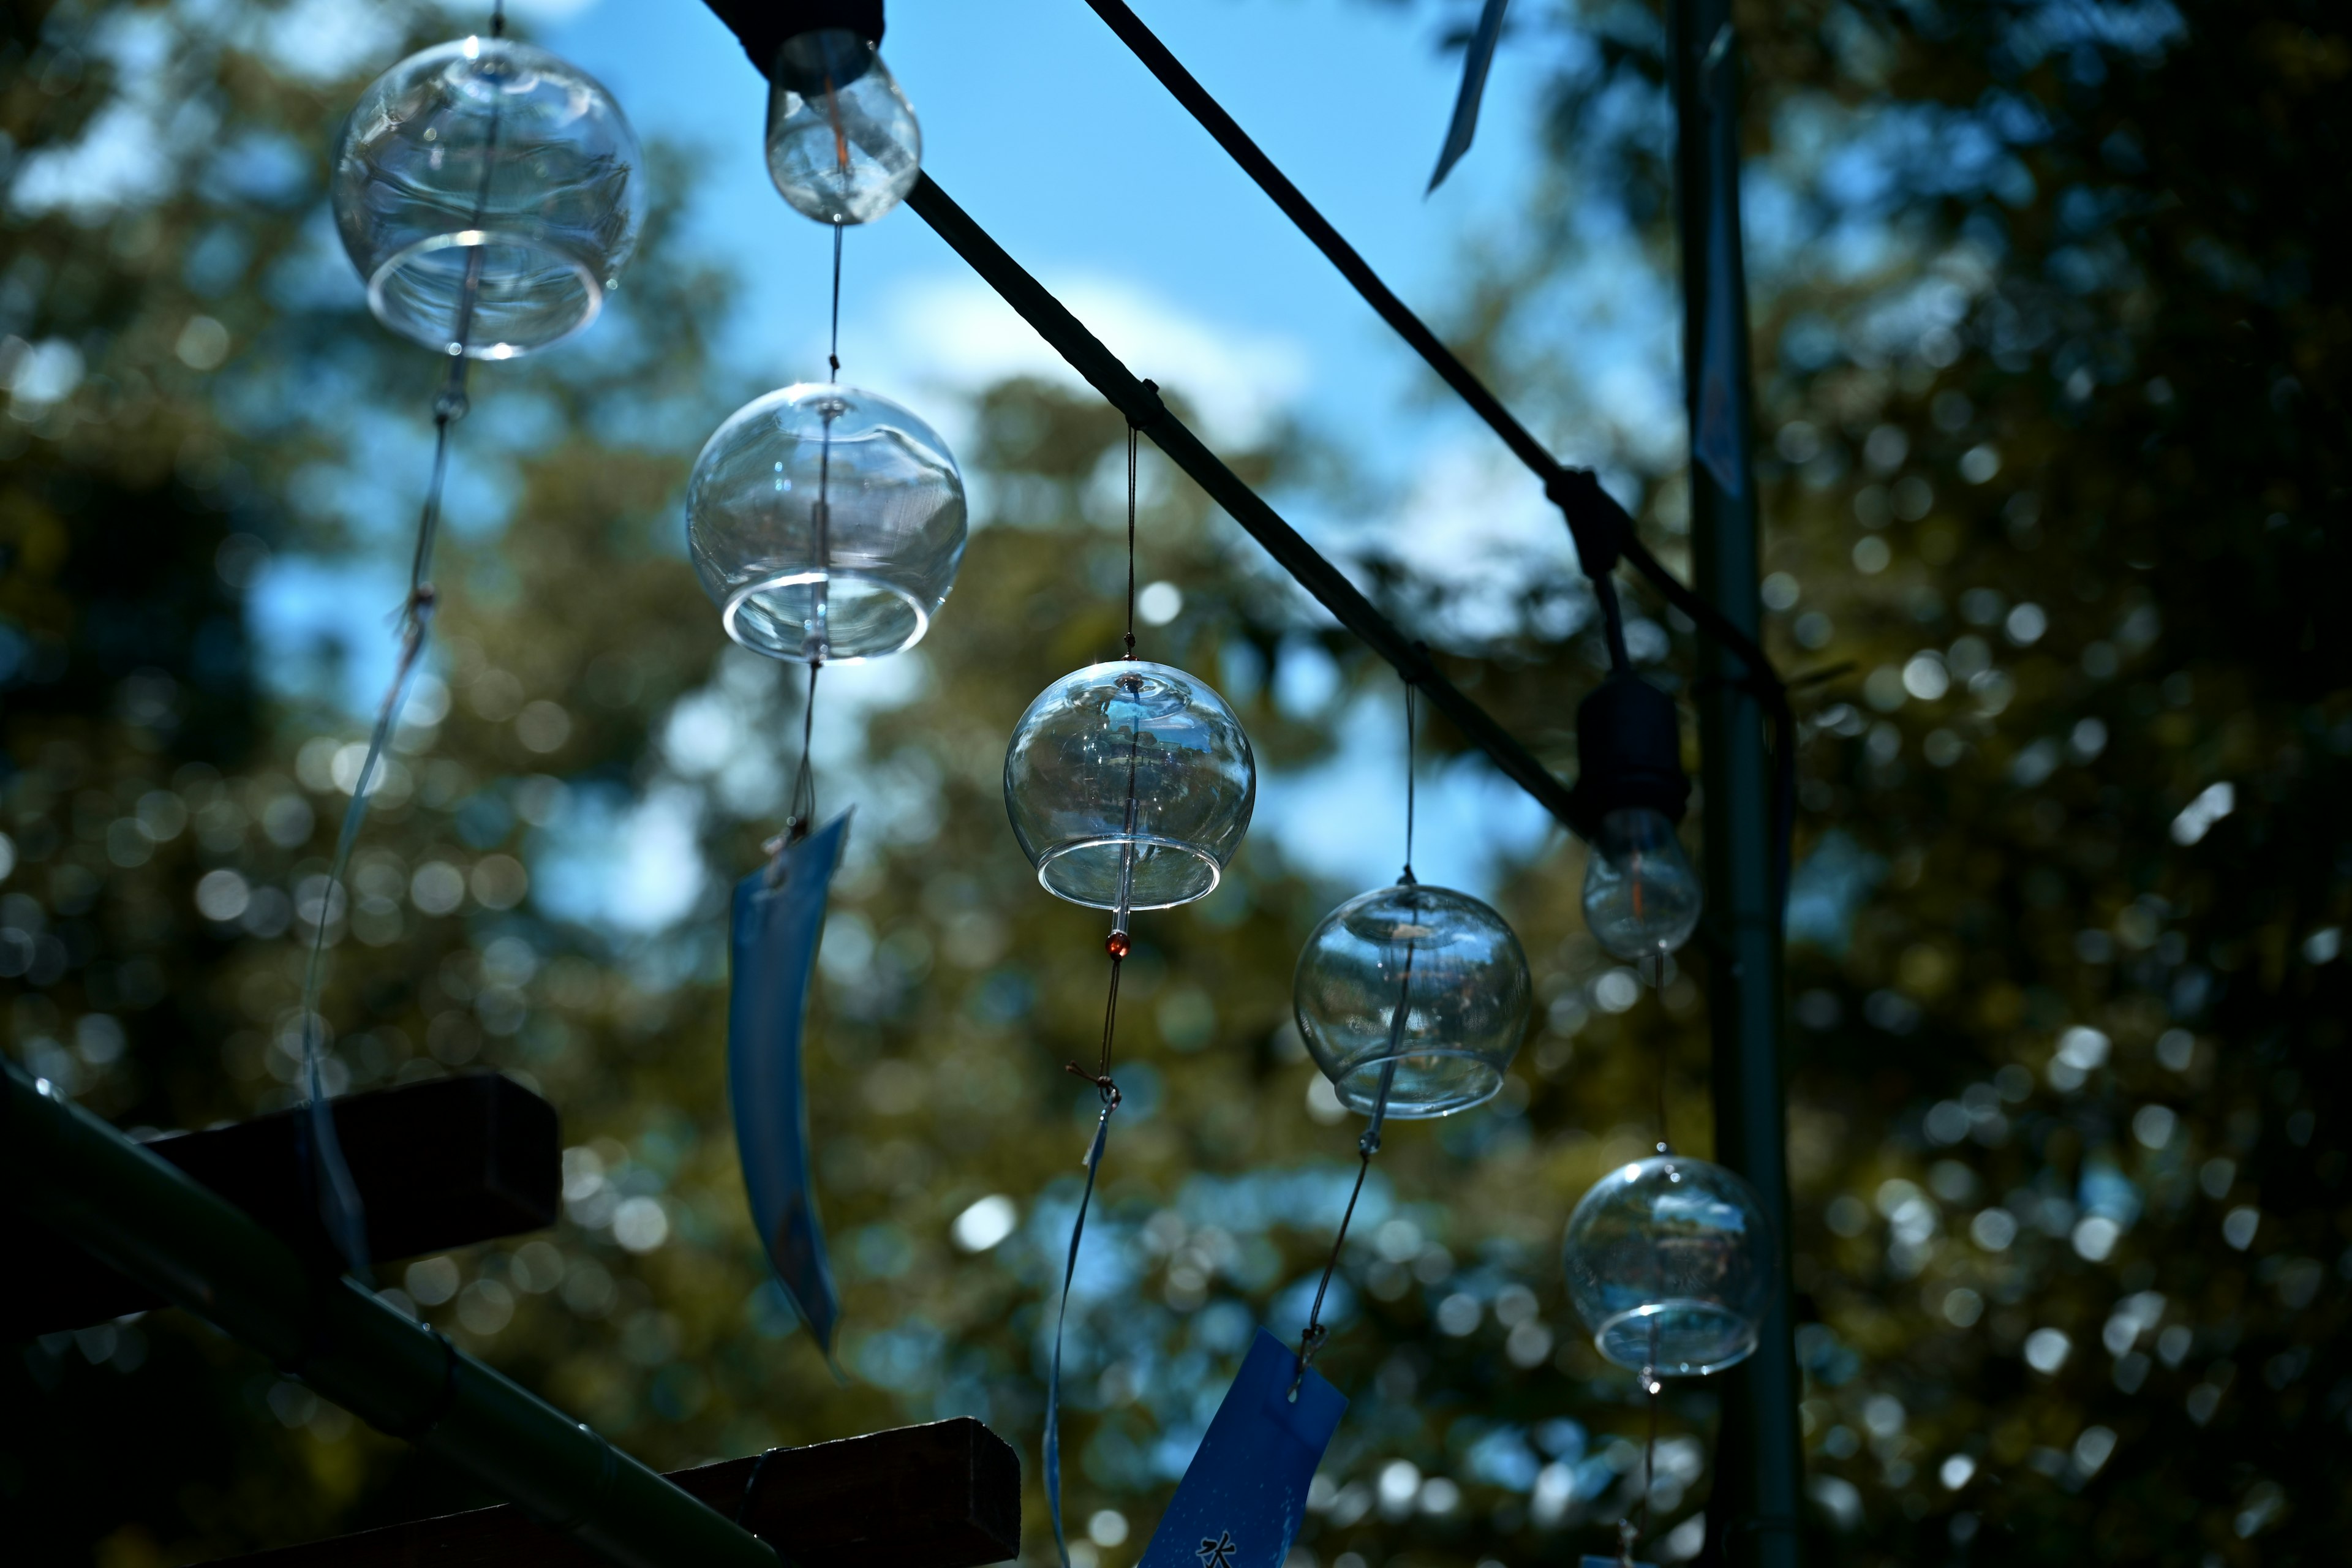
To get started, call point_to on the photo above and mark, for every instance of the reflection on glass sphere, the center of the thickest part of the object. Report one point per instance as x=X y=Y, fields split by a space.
x=842 y=145
x=1414 y=997
x=487 y=161
x=1129 y=785
x=826 y=523
x=1642 y=898
x=1670 y=1264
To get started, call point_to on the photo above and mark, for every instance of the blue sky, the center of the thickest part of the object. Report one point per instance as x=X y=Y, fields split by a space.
x=1038 y=122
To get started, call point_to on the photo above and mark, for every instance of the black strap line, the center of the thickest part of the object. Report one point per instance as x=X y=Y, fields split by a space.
x=1100 y=1078
x=801 y=812
x=1408 y=779
x=1600 y=527
x=1131 y=451
x=833 y=354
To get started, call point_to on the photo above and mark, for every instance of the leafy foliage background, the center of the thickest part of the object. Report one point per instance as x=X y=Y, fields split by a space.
x=2052 y=329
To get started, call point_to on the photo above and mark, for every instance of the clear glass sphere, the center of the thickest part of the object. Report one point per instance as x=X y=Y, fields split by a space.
x=1642 y=898
x=488 y=161
x=842 y=145
x=1413 y=997
x=1671 y=1265
x=1129 y=785
x=826 y=525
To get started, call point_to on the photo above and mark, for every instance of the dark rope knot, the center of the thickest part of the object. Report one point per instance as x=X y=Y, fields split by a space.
x=1309 y=1342
x=1103 y=1082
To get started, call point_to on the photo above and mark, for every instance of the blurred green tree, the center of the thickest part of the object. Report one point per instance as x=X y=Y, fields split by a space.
x=2053 y=364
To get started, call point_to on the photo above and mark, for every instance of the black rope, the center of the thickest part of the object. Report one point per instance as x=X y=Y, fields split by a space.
x=833 y=354
x=1116 y=945
x=1408 y=779
x=1311 y=1339
x=800 y=811
x=1130 y=539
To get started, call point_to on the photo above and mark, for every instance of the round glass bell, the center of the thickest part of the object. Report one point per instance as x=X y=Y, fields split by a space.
x=487 y=170
x=826 y=523
x=1671 y=1265
x=843 y=144
x=1412 y=998
x=1129 y=785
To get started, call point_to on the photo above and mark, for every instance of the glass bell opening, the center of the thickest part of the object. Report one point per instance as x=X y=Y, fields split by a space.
x=1670 y=1264
x=487 y=168
x=843 y=143
x=1414 y=998
x=1130 y=786
x=826 y=523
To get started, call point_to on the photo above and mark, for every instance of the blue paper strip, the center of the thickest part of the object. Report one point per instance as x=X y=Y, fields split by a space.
x=1245 y=1493
x=1475 y=59
x=779 y=919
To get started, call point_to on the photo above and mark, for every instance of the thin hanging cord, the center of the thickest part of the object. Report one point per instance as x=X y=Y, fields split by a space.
x=341 y=1207
x=1629 y=1534
x=833 y=354
x=1118 y=946
x=1410 y=735
x=802 y=818
x=1130 y=539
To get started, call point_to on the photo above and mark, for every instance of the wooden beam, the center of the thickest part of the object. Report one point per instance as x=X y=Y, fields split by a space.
x=943 y=1496
x=439 y=1164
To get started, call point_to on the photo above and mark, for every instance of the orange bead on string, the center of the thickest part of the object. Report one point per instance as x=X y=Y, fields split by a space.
x=1115 y=944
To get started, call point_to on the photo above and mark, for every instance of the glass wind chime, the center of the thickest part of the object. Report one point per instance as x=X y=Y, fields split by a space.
x=1670 y=1260
x=489 y=195
x=1129 y=785
x=827 y=524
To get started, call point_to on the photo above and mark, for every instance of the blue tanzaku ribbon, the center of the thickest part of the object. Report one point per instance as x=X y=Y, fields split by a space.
x=1245 y=1493
x=1475 y=59
x=779 y=919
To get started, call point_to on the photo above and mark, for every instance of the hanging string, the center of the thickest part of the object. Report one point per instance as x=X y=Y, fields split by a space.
x=340 y=1208
x=1410 y=769
x=833 y=354
x=1118 y=946
x=1628 y=1533
x=1130 y=539
x=801 y=812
